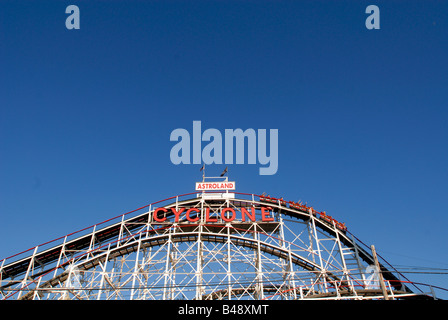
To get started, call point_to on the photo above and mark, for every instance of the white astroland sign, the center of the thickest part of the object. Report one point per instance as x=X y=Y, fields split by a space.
x=206 y=186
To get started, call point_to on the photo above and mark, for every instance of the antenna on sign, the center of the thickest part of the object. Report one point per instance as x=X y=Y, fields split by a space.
x=224 y=172
x=203 y=172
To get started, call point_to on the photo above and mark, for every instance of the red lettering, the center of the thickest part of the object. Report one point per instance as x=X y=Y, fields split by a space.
x=227 y=214
x=265 y=214
x=223 y=215
x=188 y=214
x=156 y=212
x=244 y=212
x=177 y=213
x=207 y=216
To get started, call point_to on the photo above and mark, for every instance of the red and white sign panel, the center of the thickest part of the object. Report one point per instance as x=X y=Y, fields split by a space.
x=225 y=185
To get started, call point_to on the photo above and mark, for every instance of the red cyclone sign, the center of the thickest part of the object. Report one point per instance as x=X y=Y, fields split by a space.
x=227 y=214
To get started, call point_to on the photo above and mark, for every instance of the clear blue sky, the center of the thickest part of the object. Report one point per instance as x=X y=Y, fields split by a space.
x=86 y=115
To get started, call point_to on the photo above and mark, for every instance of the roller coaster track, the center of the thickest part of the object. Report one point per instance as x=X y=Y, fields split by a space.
x=48 y=269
